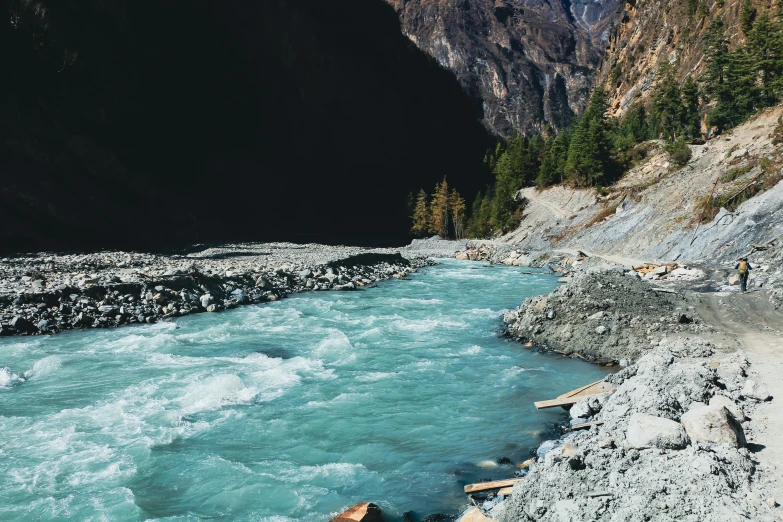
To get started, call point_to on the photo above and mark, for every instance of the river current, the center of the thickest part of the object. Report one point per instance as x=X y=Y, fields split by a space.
x=286 y=411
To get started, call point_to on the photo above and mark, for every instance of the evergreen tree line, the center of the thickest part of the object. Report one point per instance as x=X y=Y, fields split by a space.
x=748 y=78
x=442 y=213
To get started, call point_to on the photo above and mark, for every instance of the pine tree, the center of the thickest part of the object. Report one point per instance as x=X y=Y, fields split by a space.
x=691 y=120
x=765 y=45
x=667 y=106
x=747 y=16
x=728 y=79
x=439 y=210
x=634 y=128
x=421 y=215
x=457 y=206
x=589 y=152
x=552 y=169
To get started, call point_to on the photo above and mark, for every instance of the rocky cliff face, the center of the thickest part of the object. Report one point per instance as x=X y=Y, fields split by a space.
x=529 y=63
x=653 y=31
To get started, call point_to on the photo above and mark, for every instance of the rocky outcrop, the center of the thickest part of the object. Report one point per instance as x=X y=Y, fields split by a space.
x=652 y=213
x=528 y=62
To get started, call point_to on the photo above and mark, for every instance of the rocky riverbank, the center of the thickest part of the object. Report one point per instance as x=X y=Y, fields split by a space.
x=602 y=317
x=671 y=446
x=50 y=293
x=675 y=439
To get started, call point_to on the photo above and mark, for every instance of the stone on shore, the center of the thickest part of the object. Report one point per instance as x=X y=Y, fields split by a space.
x=649 y=431
x=713 y=425
x=755 y=391
x=22 y=325
x=361 y=512
x=734 y=408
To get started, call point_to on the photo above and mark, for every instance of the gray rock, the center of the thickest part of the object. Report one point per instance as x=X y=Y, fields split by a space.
x=108 y=310
x=734 y=408
x=713 y=425
x=580 y=410
x=546 y=447
x=648 y=431
x=755 y=391
x=20 y=324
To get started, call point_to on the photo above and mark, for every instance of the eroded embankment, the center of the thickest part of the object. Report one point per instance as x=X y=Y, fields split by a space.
x=602 y=317
x=670 y=444
x=51 y=293
x=670 y=447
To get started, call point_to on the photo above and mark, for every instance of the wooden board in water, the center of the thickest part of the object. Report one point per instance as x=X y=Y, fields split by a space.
x=576 y=395
x=495 y=484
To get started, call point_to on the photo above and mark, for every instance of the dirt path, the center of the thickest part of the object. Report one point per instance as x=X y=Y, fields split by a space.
x=749 y=320
x=531 y=194
x=611 y=258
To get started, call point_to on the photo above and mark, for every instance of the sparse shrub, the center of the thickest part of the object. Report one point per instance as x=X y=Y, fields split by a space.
x=735 y=173
x=679 y=152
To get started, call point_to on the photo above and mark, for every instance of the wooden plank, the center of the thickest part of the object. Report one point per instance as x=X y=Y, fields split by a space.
x=554 y=403
x=505 y=491
x=586 y=425
x=527 y=463
x=575 y=396
x=593 y=494
x=591 y=389
x=578 y=390
x=495 y=484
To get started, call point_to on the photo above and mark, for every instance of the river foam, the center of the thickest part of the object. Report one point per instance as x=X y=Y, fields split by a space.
x=289 y=411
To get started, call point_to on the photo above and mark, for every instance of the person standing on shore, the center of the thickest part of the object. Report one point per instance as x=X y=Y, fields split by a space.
x=743 y=268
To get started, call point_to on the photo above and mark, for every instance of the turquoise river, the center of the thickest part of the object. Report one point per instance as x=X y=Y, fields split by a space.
x=288 y=411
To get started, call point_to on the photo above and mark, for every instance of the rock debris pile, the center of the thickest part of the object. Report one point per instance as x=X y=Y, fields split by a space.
x=671 y=448
x=602 y=316
x=52 y=293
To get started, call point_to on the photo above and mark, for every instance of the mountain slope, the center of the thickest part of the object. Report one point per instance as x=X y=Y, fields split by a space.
x=653 y=31
x=528 y=62
x=219 y=121
x=653 y=212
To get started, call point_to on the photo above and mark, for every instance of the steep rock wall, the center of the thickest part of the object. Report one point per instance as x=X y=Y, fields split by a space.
x=528 y=62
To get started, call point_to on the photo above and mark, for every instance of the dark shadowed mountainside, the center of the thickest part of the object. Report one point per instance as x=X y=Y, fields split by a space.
x=528 y=62
x=155 y=124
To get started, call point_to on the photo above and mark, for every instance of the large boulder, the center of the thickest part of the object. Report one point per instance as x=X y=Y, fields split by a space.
x=649 y=431
x=734 y=408
x=22 y=325
x=361 y=512
x=713 y=425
